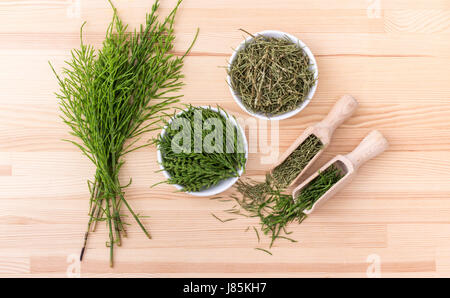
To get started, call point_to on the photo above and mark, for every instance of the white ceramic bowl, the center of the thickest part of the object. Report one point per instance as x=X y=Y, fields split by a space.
x=313 y=66
x=222 y=185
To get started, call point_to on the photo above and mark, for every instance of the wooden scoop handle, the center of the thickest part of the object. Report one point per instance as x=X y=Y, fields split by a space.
x=371 y=146
x=341 y=111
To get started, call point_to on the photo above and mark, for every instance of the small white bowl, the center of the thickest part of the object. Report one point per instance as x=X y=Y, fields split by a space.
x=313 y=66
x=222 y=185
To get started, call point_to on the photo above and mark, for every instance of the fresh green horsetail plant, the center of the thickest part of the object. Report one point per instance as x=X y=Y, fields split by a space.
x=113 y=96
x=196 y=167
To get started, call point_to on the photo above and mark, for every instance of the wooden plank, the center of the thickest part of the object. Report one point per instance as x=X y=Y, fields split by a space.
x=393 y=60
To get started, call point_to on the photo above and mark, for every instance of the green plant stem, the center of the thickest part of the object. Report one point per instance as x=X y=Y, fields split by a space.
x=111 y=97
x=196 y=171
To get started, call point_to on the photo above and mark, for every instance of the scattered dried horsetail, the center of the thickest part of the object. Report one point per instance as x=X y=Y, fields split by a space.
x=115 y=95
x=271 y=75
x=275 y=209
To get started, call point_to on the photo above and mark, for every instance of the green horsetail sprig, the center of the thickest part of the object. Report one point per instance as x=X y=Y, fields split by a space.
x=185 y=153
x=113 y=96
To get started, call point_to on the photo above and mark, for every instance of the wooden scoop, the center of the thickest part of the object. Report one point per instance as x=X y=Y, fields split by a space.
x=371 y=146
x=341 y=111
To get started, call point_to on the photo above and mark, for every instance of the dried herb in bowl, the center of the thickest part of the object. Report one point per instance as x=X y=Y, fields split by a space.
x=271 y=75
x=201 y=147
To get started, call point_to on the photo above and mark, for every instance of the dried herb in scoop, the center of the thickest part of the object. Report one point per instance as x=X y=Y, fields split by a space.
x=292 y=166
x=318 y=187
x=271 y=75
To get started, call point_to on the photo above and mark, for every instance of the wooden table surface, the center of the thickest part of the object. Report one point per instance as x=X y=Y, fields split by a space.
x=393 y=220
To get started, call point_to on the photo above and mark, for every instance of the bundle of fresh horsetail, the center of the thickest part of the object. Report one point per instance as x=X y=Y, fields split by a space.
x=201 y=147
x=112 y=96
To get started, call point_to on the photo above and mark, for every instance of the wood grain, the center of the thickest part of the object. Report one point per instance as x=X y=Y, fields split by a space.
x=393 y=61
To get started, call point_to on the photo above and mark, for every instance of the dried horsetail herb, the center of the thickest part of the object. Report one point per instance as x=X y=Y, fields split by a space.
x=268 y=200
x=275 y=209
x=196 y=169
x=271 y=75
x=114 y=95
x=292 y=166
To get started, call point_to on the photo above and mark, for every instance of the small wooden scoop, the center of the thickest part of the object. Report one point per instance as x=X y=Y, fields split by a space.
x=371 y=146
x=341 y=111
